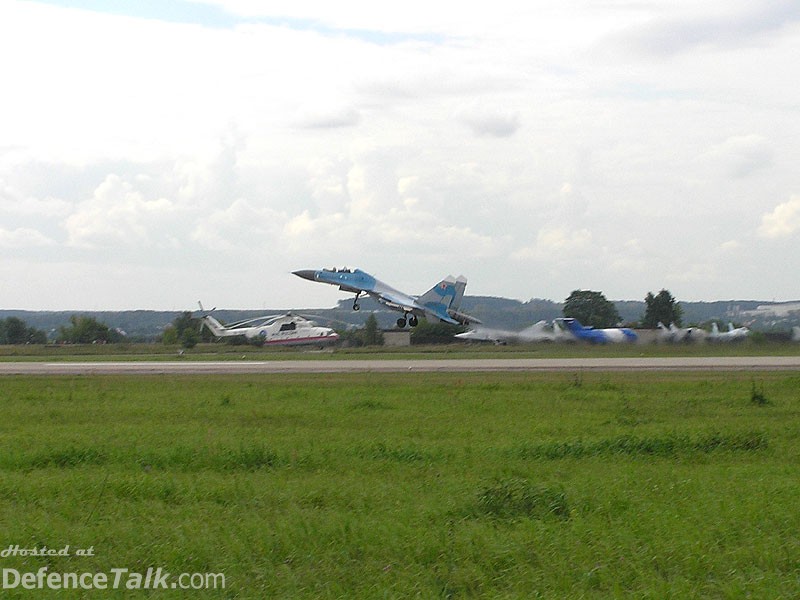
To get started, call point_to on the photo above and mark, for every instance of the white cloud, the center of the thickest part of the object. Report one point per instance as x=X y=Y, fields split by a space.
x=490 y=122
x=556 y=243
x=783 y=221
x=415 y=140
x=23 y=237
x=119 y=214
x=742 y=155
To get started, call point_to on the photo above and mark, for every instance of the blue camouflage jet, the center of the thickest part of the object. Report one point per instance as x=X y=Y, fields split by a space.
x=597 y=336
x=441 y=302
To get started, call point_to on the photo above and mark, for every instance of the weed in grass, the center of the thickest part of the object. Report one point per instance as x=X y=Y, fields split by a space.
x=70 y=456
x=249 y=458
x=757 y=396
x=516 y=497
x=401 y=454
x=664 y=446
x=369 y=404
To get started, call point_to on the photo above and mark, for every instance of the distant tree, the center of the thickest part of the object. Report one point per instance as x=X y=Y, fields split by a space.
x=372 y=335
x=591 y=308
x=15 y=331
x=185 y=330
x=661 y=308
x=87 y=330
x=170 y=336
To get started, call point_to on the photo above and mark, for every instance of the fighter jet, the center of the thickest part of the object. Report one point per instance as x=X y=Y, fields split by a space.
x=734 y=334
x=274 y=330
x=597 y=336
x=441 y=302
x=540 y=332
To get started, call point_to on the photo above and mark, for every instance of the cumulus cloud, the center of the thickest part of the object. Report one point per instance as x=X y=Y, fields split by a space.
x=23 y=237
x=556 y=243
x=327 y=117
x=742 y=155
x=783 y=221
x=117 y=213
x=490 y=122
x=401 y=138
x=721 y=24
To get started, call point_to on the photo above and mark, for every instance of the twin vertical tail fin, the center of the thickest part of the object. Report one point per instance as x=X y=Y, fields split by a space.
x=444 y=300
x=440 y=297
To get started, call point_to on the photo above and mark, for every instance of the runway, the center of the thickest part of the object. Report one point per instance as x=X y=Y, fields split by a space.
x=747 y=363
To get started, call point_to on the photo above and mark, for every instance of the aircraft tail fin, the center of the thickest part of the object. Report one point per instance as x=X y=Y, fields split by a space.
x=440 y=295
x=217 y=328
x=461 y=286
x=572 y=324
x=444 y=300
x=714 y=328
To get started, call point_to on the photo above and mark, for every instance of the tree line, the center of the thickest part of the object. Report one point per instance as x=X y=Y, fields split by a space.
x=589 y=307
x=593 y=309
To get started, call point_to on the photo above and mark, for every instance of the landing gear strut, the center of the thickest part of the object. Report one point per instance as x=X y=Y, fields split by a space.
x=412 y=320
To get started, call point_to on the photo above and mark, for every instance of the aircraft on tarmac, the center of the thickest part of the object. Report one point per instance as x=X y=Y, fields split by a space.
x=733 y=334
x=597 y=336
x=441 y=302
x=676 y=334
x=274 y=330
x=540 y=332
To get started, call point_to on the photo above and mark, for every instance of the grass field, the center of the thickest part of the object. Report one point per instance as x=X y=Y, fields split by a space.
x=580 y=485
x=149 y=352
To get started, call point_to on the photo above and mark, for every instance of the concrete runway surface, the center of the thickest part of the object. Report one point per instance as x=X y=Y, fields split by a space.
x=744 y=363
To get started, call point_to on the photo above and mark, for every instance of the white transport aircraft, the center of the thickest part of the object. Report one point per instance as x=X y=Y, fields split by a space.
x=274 y=330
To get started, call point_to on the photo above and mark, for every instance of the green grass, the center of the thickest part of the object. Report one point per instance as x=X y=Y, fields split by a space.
x=506 y=485
x=219 y=351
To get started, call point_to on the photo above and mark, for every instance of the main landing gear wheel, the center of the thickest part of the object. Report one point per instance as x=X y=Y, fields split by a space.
x=401 y=322
x=413 y=321
x=356 y=306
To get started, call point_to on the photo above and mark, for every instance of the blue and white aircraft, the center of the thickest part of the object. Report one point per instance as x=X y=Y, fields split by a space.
x=597 y=336
x=734 y=334
x=441 y=302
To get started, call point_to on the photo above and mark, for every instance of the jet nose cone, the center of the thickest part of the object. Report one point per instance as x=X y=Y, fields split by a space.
x=305 y=274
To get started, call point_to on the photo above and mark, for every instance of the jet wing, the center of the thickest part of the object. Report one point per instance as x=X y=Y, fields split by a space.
x=397 y=301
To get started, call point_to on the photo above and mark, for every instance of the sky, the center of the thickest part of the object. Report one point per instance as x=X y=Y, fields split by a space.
x=158 y=152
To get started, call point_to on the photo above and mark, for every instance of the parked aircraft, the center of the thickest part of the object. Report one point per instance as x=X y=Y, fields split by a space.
x=274 y=330
x=540 y=332
x=441 y=302
x=597 y=336
x=676 y=334
x=733 y=334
